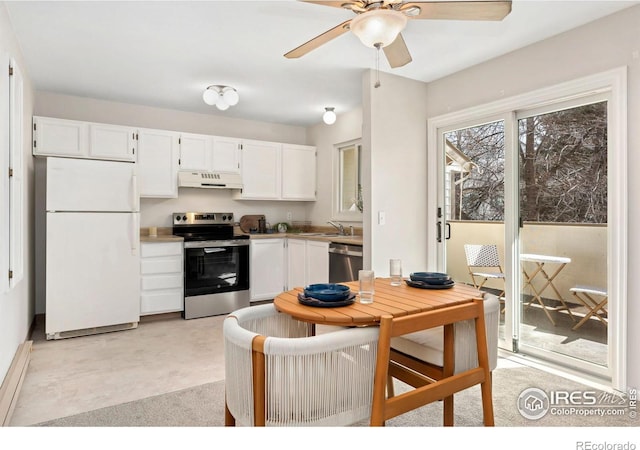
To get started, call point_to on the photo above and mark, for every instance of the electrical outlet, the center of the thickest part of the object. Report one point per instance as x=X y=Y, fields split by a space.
x=382 y=218
x=289 y=215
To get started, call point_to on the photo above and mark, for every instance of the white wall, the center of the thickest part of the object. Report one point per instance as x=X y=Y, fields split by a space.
x=157 y=212
x=596 y=47
x=17 y=306
x=395 y=163
x=348 y=127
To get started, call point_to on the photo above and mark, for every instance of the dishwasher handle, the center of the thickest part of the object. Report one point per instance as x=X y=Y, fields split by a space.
x=344 y=252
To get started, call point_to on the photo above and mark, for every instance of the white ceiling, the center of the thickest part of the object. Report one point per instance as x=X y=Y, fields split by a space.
x=164 y=54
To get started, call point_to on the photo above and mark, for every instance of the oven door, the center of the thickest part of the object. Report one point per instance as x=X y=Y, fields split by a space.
x=215 y=267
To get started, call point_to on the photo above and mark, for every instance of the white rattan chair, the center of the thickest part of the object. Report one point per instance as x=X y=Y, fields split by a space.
x=278 y=375
x=424 y=350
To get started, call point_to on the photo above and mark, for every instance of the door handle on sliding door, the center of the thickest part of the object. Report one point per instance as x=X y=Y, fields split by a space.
x=439 y=231
x=448 y=235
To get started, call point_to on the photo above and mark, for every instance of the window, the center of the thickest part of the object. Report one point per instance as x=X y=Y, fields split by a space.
x=348 y=187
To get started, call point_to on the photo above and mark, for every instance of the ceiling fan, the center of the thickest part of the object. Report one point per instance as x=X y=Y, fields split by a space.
x=378 y=23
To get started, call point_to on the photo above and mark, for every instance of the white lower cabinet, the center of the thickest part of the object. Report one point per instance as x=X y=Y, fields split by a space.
x=267 y=269
x=308 y=262
x=161 y=284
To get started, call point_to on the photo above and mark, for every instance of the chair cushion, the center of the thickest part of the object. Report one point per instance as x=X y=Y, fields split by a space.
x=426 y=345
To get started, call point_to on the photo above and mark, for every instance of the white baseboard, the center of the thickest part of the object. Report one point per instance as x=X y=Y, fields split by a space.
x=10 y=388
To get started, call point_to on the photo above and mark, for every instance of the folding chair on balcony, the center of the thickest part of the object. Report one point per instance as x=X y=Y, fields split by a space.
x=483 y=263
x=595 y=299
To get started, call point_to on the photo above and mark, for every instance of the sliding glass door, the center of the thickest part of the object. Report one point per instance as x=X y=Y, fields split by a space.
x=523 y=212
x=563 y=161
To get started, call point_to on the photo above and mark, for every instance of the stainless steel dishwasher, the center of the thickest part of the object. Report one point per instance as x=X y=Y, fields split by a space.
x=344 y=262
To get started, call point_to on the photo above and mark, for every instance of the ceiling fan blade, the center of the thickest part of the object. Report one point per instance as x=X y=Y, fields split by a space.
x=397 y=53
x=319 y=40
x=450 y=10
x=335 y=4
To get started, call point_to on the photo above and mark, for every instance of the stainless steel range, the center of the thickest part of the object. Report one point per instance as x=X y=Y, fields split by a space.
x=216 y=264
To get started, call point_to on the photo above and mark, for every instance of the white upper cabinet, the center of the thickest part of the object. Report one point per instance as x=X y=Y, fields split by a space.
x=226 y=154
x=261 y=170
x=112 y=142
x=203 y=153
x=158 y=154
x=61 y=137
x=298 y=172
x=274 y=171
x=195 y=152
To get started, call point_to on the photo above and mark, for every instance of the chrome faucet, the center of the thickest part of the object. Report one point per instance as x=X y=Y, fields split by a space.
x=339 y=227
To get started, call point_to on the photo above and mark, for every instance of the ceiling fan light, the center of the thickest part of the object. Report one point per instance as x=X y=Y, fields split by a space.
x=379 y=26
x=210 y=96
x=230 y=96
x=329 y=116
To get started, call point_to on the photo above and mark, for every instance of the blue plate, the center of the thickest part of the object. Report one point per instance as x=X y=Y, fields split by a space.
x=310 y=301
x=431 y=277
x=327 y=292
x=423 y=285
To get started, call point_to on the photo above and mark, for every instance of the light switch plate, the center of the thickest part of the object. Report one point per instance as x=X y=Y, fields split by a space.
x=382 y=218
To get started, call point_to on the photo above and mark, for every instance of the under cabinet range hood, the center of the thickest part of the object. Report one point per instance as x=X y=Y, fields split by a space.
x=210 y=180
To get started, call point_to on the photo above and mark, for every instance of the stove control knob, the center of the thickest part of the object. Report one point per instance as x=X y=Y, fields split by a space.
x=224 y=218
x=230 y=216
x=184 y=217
x=178 y=218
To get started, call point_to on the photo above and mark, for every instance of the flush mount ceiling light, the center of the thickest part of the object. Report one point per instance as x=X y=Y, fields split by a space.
x=329 y=116
x=379 y=27
x=220 y=96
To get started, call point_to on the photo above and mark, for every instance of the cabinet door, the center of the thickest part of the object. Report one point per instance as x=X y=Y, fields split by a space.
x=317 y=260
x=112 y=142
x=261 y=170
x=195 y=152
x=298 y=172
x=226 y=155
x=158 y=163
x=296 y=257
x=59 y=137
x=267 y=268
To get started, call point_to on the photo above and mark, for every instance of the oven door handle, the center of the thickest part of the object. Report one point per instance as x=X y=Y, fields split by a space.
x=213 y=249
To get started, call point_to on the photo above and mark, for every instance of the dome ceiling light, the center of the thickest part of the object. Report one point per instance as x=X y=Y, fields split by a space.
x=329 y=116
x=221 y=96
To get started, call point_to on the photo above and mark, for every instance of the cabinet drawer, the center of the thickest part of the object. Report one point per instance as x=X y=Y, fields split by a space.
x=169 y=265
x=161 y=302
x=161 y=249
x=151 y=282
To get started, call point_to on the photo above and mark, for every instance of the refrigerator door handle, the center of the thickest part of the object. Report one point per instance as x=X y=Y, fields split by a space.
x=134 y=230
x=134 y=192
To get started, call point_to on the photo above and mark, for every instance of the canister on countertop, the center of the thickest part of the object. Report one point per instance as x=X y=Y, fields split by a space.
x=153 y=231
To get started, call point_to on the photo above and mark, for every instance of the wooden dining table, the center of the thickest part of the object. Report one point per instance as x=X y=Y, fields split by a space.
x=388 y=300
x=397 y=302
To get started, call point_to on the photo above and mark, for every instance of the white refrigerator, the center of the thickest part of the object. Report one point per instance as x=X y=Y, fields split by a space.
x=88 y=239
